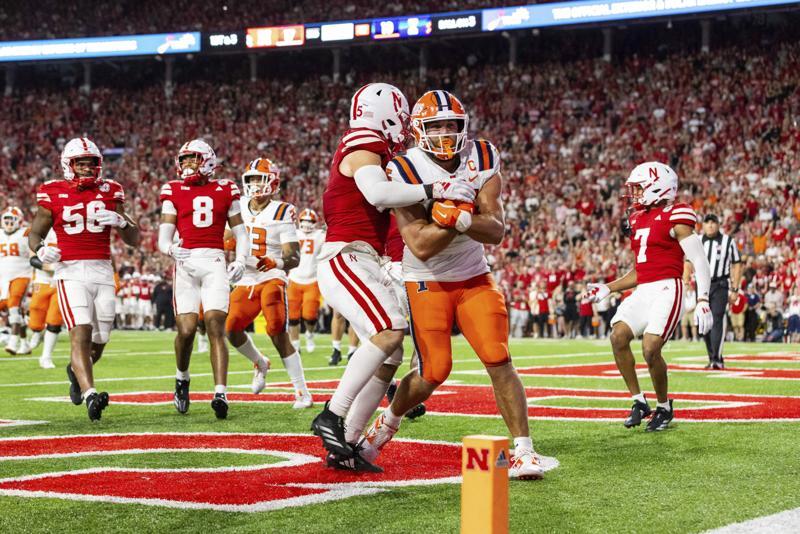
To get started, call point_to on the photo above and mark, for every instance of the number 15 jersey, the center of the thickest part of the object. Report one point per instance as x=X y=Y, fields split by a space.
x=658 y=255
x=202 y=210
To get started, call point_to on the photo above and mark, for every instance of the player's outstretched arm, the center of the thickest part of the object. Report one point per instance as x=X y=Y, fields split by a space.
x=489 y=225
x=365 y=168
x=424 y=239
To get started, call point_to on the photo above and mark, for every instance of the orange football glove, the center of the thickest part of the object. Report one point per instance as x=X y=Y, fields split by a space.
x=230 y=244
x=446 y=213
x=265 y=263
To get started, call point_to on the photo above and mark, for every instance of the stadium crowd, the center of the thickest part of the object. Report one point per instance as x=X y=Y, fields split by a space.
x=568 y=133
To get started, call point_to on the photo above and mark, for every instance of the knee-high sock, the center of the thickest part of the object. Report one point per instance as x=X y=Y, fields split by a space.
x=363 y=364
x=365 y=404
x=294 y=367
x=249 y=350
x=50 y=339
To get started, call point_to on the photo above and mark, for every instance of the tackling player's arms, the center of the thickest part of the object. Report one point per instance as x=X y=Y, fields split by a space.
x=423 y=238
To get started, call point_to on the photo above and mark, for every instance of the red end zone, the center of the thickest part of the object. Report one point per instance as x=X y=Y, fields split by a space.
x=609 y=370
x=298 y=479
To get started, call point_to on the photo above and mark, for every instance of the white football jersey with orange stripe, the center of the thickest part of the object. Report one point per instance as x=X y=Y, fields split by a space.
x=310 y=245
x=464 y=257
x=15 y=255
x=269 y=229
x=41 y=276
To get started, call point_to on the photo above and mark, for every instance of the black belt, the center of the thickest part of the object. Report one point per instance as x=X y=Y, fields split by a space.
x=719 y=280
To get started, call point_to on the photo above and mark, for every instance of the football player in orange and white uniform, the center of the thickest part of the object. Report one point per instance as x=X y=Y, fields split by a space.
x=274 y=249
x=304 y=296
x=15 y=275
x=44 y=315
x=447 y=277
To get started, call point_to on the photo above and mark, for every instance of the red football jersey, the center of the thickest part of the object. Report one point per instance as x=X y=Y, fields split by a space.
x=202 y=210
x=145 y=291
x=659 y=255
x=347 y=213
x=78 y=234
x=394 y=241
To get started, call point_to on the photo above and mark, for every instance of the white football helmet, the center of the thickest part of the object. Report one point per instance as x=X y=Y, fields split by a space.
x=208 y=161
x=650 y=183
x=11 y=219
x=261 y=177
x=81 y=147
x=308 y=220
x=381 y=107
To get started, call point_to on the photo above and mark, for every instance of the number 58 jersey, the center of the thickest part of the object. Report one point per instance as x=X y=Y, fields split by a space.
x=202 y=210
x=658 y=255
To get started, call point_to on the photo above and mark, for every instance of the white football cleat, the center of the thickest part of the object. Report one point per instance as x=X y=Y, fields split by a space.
x=375 y=438
x=302 y=401
x=24 y=348
x=12 y=347
x=525 y=465
x=260 y=376
x=46 y=363
x=202 y=344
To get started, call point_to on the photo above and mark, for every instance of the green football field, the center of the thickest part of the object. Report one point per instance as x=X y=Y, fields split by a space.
x=731 y=454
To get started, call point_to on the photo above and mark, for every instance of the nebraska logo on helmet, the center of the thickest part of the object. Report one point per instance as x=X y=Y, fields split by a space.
x=12 y=219
x=261 y=177
x=203 y=169
x=79 y=148
x=381 y=107
x=439 y=106
x=651 y=183
x=308 y=220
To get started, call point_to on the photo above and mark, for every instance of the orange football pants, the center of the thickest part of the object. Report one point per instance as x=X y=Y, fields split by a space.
x=16 y=292
x=247 y=302
x=479 y=309
x=44 y=308
x=303 y=301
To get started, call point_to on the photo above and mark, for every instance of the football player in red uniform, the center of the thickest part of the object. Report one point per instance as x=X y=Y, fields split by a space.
x=82 y=209
x=349 y=272
x=662 y=234
x=199 y=208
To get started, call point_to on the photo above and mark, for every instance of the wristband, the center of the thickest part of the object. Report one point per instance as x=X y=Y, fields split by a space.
x=428 y=190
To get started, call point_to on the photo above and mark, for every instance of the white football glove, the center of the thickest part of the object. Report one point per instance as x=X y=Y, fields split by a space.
x=235 y=271
x=49 y=254
x=456 y=191
x=703 y=318
x=110 y=218
x=596 y=292
x=178 y=252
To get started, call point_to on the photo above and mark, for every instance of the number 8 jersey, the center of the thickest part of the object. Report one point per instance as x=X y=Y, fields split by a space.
x=658 y=255
x=78 y=234
x=202 y=210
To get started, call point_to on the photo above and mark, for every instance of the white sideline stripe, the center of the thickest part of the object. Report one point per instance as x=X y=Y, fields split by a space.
x=783 y=522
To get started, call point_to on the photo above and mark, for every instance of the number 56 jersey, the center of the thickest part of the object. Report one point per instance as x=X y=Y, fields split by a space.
x=658 y=255
x=202 y=210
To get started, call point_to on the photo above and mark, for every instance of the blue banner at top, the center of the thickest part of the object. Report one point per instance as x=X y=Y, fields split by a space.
x=587 y=12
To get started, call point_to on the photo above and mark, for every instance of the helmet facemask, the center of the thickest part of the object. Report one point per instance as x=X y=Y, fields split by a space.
x=189 y=164
x=258 y=184
x=10 y=223
x=86 y=171
x=441 y=137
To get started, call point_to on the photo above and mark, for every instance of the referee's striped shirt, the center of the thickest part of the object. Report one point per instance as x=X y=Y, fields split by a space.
x=721 y=252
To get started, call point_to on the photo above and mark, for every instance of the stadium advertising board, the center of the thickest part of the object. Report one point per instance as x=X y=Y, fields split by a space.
x=95 y=47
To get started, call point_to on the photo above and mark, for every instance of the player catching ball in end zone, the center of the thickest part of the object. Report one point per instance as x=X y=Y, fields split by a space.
x=349 y=274
x=200 y=207
x=662 y=234
x=447 y=277
x=82 y=209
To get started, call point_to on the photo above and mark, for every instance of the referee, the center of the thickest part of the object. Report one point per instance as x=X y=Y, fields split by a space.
x=726 y=264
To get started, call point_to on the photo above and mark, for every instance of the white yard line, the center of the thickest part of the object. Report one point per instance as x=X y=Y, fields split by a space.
x=784 y=522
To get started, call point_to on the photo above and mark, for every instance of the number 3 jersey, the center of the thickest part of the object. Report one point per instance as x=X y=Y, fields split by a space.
x=657 y=253
x=202 y=210
x=269 y=229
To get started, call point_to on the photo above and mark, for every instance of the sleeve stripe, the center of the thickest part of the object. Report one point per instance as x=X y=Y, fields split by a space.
x=683 y=216
x=281 y=211
x=683 y=211
x=360 y=133
x=407 y=170
x=485 y=156
x=363 y=141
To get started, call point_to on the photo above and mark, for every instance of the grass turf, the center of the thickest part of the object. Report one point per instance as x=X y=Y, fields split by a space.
x=693 y=477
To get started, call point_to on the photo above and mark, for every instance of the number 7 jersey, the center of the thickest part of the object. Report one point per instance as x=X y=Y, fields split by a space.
x=202 y=210
x=658 y=254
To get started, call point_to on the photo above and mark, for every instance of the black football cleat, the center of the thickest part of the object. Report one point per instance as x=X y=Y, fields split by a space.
x=336 y=357
x=661 y=419
x=391 y=391
x=330 y=428
x=95 y=404
x=181 y=398
x=417 y=411
x=639 y=411
x=352 y=463
x=220 y=405
x=74 y=388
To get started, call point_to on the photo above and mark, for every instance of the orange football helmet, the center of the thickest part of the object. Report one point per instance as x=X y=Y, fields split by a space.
x=435 y=106
x=308 y=220
x=11 y=219
x=261 y=177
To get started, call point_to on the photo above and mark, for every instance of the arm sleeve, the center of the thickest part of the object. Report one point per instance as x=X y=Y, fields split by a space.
x=381 y=193
x=166 y=233
x=168 y=208
x=234 y=208
x=693 y=249
x=242 y=242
